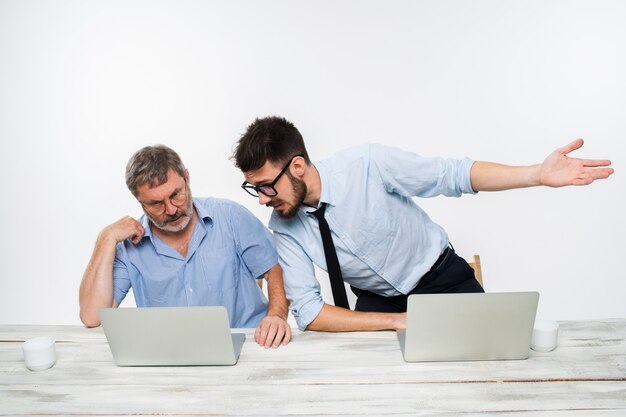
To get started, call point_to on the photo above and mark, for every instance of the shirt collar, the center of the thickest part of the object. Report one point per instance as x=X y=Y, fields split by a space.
x=326 y=193
x=147 y=230
x=202 y=210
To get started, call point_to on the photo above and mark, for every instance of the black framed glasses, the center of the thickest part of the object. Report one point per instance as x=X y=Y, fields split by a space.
x=157 y=208
x=266 y=189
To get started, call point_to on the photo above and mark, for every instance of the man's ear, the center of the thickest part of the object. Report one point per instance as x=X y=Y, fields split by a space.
x=187 y=176
x=298 y=166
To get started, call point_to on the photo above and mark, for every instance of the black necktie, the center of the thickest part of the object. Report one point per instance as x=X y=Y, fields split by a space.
x=332 y=263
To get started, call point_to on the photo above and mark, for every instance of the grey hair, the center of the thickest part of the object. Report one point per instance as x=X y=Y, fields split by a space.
x=150 y=165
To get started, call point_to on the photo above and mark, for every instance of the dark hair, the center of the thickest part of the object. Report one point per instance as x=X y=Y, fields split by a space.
x=150 y=165
x=271 y=139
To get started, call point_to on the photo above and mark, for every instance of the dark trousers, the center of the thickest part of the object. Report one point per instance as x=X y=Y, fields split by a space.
x=449 y=274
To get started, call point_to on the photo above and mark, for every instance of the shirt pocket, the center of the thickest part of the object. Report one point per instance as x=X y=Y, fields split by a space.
x=164 y=289
x=220 y=269
x=376 y=223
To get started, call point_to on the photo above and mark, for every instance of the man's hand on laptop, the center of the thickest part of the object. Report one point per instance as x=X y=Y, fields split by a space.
x=273 y=332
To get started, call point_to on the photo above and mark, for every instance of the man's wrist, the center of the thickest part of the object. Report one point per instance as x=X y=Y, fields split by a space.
x=106 y=240
x=535 y=175
x=281 y=315
x=397 y=321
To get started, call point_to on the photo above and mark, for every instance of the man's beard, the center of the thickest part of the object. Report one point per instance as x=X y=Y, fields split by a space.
x=166 y=226
x=299 y=190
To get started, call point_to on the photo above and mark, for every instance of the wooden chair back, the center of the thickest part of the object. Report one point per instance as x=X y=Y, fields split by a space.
x=478 y=273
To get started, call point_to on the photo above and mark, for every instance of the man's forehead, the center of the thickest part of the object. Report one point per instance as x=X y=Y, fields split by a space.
x=172 y=177
x=173 y=180
x=264 y=174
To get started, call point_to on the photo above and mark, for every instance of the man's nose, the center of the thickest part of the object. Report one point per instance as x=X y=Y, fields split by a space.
x=170 y=209
x=263 y=199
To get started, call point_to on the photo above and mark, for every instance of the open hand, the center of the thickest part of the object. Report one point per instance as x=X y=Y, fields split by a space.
x=558 y=169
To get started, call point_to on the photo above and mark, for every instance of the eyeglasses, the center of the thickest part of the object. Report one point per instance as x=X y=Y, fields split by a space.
x=157 y=208
x=267 y=189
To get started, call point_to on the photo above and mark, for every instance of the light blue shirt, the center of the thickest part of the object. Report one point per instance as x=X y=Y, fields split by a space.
x=229 y=249
x=385 y=242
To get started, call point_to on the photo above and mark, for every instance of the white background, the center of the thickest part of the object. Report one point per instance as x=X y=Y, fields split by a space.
x=84 y=84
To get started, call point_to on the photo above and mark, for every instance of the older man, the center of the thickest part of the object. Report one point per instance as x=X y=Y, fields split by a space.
x=186 y=251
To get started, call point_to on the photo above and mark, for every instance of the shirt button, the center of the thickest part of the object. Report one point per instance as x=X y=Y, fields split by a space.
x=190 y=289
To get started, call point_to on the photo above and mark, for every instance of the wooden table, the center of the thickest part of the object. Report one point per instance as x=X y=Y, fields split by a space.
x=320 y=374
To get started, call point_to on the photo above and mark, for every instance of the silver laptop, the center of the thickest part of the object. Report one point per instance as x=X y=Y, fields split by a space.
x=468 y=327
x=170 y=336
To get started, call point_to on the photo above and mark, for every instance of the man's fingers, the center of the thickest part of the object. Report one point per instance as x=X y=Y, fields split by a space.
x=572 y=146
x=271 y=334
x=589 y=175
x=138 y=234
x=600 y=173
x=596 y=162
x=126 y=228
x=280 y=333
x=287 y=337
x=260 y=334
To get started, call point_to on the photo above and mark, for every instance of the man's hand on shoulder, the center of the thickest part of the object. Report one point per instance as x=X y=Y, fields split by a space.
x=273 y=332
x=124 y=228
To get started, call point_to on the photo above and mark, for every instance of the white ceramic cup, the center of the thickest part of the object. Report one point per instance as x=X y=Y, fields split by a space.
x=39 y=353
x=545 y=334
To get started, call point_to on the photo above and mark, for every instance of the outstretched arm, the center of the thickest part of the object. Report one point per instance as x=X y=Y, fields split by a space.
x=274 y=329
x=96 y=288
x=337 y=319
x=557 y=170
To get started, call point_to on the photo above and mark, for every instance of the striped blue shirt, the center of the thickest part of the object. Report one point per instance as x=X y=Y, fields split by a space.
x=229 y=249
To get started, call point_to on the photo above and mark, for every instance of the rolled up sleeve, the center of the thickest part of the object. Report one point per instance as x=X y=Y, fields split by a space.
x=412 y=175
x=301 y=286
x=121 y=277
